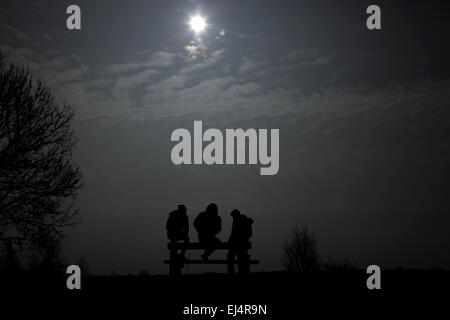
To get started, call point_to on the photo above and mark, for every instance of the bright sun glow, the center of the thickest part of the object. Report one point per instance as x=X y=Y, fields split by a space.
x=197 y=23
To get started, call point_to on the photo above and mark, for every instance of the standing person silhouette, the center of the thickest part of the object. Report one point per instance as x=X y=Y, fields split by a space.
x=177 y=226
x=241 y=232
x=208 y=224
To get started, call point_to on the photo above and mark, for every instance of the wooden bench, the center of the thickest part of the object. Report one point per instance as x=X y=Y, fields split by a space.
x=175 y=266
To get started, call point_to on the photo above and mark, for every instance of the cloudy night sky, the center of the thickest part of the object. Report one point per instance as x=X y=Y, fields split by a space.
x=363 y=118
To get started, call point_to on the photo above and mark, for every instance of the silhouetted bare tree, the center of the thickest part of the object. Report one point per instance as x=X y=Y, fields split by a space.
x=300 y=250
x=38 y=178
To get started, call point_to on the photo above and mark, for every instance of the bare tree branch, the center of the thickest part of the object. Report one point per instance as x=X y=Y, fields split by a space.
x=300 y=250
x=38 y=178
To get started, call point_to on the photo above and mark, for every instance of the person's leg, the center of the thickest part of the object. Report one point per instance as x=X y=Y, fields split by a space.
x=186 y=241
x=209 y=250
x=174 y=238
x=204 y=240
x=213 y=244
x=243 y=261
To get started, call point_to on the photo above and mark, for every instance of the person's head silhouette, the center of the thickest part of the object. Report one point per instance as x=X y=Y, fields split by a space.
x=212 y=208
x=182 y=208
x=235 y=213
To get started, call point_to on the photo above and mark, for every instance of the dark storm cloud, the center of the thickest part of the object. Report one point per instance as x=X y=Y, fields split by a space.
x=363 y=121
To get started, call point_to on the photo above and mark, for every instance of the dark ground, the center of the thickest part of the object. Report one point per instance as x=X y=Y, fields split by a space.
x=287 y=296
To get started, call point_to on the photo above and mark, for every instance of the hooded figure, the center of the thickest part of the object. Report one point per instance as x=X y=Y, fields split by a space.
x=241 y=232
x=177 y=226
x=208 y=224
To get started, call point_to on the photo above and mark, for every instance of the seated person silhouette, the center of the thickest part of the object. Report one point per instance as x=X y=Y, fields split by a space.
x=208 y=224
x=241 y=232
x=177 y=226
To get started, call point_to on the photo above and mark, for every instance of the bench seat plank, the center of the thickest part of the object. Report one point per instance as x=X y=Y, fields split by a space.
x=200 y=246
x=213 y=262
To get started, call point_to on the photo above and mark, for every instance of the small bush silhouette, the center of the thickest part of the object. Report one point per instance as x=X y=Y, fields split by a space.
x=340 y=265
x=300 y=250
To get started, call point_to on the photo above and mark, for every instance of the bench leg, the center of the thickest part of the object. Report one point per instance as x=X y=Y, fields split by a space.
x=175 y=269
